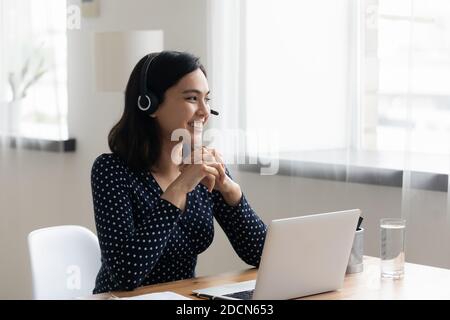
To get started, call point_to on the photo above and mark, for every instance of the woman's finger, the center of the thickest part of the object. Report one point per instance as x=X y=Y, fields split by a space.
x=218 y=156
x=209 y=169
x=208 y=157
x=209 y=181
x=220 y=169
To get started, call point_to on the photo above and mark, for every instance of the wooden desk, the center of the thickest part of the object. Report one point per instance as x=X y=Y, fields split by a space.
x=419 y=282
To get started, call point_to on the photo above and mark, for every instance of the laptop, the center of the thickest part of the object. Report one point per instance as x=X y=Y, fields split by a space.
x=301 y=256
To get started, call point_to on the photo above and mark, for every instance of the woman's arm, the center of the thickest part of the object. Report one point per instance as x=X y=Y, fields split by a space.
x=245 y=230
x=232 y=193
x=129 y=251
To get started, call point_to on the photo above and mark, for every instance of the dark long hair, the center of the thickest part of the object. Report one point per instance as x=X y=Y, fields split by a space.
x=136 y=137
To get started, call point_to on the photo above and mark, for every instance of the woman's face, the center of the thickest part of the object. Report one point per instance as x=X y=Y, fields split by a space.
x=185 y=106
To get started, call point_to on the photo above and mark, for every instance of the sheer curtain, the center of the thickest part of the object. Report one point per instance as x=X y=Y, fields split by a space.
x=33 y=69
x=358 y=93
x=226 y=70
x=269 y=71
x=414 y=73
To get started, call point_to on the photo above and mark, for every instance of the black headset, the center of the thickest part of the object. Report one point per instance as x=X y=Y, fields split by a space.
x=151 y=101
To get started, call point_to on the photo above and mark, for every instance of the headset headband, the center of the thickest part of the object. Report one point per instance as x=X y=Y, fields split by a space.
x=144 y=93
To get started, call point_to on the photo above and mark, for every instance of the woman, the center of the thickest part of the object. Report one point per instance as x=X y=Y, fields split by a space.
x=154 y=216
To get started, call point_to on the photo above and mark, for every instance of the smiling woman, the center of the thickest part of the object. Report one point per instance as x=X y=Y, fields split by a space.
x=154 y=216
x=136 y=137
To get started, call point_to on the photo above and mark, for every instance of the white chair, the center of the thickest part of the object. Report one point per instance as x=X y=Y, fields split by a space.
x=64 y=262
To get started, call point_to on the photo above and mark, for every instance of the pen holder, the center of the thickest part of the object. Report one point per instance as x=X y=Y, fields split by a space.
x=355 y=261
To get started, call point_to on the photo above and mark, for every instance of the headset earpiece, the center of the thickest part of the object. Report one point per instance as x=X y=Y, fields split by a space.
x=147 y=100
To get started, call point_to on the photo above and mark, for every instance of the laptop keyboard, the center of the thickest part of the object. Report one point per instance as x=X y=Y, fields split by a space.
x=243 y=295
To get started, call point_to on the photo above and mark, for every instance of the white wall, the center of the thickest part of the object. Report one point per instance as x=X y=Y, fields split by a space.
x=40 y=189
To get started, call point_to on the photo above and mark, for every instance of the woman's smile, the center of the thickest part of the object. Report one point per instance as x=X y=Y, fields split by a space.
x=196 y=124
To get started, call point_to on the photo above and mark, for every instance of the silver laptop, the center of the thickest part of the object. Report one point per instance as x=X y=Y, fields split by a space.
x=302 y=256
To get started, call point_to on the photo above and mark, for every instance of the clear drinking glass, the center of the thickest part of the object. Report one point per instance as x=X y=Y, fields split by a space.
x=392 y=248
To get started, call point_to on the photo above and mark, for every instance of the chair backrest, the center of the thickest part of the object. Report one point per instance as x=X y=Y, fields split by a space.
x=64 y=262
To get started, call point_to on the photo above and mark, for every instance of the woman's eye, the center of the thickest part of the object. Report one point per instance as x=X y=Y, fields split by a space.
x=195 y=99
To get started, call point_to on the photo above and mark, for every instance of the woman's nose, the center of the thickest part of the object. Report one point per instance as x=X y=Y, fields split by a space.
x=203 y=108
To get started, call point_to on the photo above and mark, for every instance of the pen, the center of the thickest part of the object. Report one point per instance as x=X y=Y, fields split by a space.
x=359 y=223
x=212 y=297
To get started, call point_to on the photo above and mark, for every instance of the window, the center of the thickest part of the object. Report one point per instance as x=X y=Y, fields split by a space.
x=297 y=63
x=34 y=65
x=366 y=80
x=408 y=52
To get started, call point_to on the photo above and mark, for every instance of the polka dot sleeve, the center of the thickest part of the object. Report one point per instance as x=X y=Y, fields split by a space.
x=129 y=251
x=244 y=229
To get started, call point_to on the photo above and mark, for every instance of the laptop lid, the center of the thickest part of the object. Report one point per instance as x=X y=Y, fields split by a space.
x=306 y=255
x=302 y=256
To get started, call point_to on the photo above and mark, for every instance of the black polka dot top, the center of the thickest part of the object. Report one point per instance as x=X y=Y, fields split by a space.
x=145 y=239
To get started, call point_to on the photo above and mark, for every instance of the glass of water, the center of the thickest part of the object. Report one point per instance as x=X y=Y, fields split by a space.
x=392 y=248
